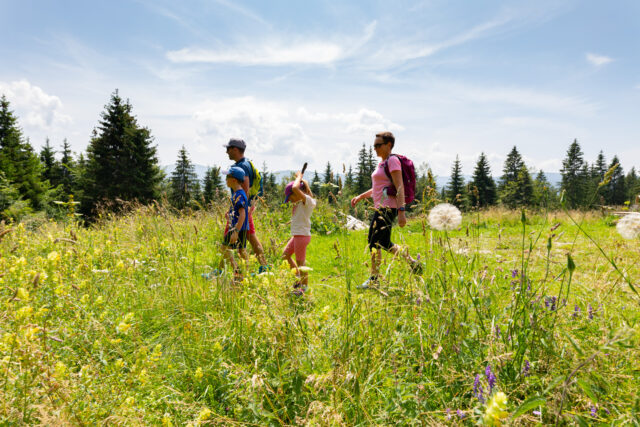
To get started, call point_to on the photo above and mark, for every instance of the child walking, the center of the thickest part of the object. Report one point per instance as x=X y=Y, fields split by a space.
x=299 y=194
x=235 y=238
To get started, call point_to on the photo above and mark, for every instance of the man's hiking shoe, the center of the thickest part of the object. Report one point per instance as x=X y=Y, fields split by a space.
x=215 y=273
x=416 y=267
x=371 y=281
x=263 y=269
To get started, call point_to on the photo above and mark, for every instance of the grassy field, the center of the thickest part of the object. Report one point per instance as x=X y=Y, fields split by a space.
x=114 y=324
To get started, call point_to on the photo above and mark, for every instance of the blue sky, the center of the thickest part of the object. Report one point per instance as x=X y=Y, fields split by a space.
x=311 y=81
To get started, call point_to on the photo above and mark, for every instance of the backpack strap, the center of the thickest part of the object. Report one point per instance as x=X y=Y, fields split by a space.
x=386 y=168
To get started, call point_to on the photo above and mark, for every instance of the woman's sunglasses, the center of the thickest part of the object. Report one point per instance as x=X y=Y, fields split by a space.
x=378 y=145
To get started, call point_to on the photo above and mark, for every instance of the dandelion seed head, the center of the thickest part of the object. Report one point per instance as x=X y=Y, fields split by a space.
x=629 y=226
x=445 y=216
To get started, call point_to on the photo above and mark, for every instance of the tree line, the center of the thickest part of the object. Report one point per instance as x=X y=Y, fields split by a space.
x=121 y=165
x=583 y=185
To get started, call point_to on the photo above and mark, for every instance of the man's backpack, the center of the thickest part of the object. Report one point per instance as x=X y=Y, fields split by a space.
x=256 y=188
x=408 y=178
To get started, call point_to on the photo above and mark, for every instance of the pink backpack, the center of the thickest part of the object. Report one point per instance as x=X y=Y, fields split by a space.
x=408 y=178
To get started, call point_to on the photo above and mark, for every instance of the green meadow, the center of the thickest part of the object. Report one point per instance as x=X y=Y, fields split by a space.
x=114 y=324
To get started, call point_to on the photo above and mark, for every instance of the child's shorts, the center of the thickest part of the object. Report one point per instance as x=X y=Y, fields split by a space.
x=298 y=245
x=241 y=243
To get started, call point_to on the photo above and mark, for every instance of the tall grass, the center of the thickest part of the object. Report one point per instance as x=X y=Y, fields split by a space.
x=115 y=324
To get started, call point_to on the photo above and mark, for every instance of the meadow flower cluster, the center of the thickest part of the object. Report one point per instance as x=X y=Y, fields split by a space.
x=115 y=324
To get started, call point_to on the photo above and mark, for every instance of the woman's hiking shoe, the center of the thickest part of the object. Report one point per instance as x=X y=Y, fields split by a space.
x=416 y=267
x=371 y=281
x=215 y=273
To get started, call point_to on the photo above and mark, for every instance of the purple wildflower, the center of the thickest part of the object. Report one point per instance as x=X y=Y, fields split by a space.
x=576 y=311
x=498 y=331
x=477 y=389
x=418 y=257
x=526 y=368
x=419 y=301
x=448 y=413
x=461 y=414
x=594 y=411
x=590 y=312
x=536 y=413
x=491 y=378
x=550 y=303
x=514 y=273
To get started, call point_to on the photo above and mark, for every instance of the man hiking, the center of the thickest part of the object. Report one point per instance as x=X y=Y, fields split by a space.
x=235 y=150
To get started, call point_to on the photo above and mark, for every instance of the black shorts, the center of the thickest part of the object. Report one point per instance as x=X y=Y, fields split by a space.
x=380 y=228
x=241 y=243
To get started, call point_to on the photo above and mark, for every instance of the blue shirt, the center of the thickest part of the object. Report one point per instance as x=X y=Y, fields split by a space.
x=238 y=201
x=248 y=170
x=246 y=167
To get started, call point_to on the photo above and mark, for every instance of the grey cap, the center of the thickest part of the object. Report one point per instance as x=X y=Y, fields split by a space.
x=236 y=142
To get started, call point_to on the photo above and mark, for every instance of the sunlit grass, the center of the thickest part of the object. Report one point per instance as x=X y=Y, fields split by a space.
x=115 y=324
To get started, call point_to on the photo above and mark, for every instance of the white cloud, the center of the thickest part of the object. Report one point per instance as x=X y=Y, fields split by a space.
x=284 y=135
x=35 y=108
x=598 y=60
x=265 y=126
x=276 y=51
x=363 y=121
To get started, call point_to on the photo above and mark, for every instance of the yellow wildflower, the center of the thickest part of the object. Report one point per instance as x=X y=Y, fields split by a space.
x=30 y=333
x=143 y=377
x=166 y=420
x=157 y=353
x=24 y=312
x=60 y=370
x=99 y=300
x=54 y=257
x=198 y=374
x=119 y=363
x=23 y=294
x=205 y=414
x=123 y=327
x=120 y=264
x=496 y=410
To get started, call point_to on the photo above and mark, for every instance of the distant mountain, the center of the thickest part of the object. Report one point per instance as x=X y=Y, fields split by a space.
x=554 y=178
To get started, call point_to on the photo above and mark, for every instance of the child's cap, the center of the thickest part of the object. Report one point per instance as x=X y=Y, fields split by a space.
x=288 y=190
x=236 y=172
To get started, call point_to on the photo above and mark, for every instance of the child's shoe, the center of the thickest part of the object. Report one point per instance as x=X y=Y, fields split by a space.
x=371 y=281
x=215 y=273
x=416 y=267
x=263 y=269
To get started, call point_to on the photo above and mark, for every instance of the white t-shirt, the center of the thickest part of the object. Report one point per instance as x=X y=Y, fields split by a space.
x=301 y=217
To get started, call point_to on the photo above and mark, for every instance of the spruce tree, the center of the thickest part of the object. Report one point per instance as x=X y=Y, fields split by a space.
x=67 y=165
x=600 y=167
x=315 y=183
x=349 y=181
x=212 y=184
x=574 y=182
x=516 y=186
x=484 y=193
x=632 y=182
x=50 y=167
x=328 y=175
x=121 y=162
x=455 y=187
x=184 y=184
x=18 y=162
x=616 y=191
x=363 y=173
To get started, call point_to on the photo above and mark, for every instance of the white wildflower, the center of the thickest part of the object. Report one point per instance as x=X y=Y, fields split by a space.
x=445 y=217
x=305 y=269
x=629 y=225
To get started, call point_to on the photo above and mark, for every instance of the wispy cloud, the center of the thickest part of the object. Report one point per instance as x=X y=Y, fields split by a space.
x=598 y=60
x=277 y=51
